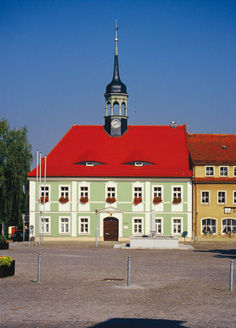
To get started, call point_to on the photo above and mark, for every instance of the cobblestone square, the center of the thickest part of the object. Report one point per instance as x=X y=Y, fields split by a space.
x=84 y=286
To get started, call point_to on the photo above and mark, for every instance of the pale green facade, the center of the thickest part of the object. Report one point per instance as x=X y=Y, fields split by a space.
x=76 y=219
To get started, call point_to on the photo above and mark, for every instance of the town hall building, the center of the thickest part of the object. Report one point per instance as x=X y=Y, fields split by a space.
x=110 y=181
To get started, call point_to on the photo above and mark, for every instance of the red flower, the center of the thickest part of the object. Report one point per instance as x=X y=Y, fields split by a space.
x=177 y=200
x=137 y=200
x=157 y=200
x=110 y=200
x=44 y=200
x=84 y=199
x=63 y=199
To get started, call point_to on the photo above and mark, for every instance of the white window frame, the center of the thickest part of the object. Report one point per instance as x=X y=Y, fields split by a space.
x=202 y=198
x=210 y=225
x=138 y=193
x=159 y=224
x=173 y=225
x=83 y=193
x=223 y=227
x=62 y=224
x=82 y=223
x=234 y=196
x=174 y=192
x=222 y=174
x=137 y=223
x=157 y=193
x=43 y=224
x=63 y=193
x=207 y=167
x=219 y=202
x=42 y=191
x=111 y=193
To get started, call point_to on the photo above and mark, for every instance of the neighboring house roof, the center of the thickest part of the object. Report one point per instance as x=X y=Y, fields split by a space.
x=162 y=149
x=212 y=148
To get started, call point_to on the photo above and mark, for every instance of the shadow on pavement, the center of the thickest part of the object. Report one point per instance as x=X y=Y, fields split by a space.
x=221 y=253
x=139 y=323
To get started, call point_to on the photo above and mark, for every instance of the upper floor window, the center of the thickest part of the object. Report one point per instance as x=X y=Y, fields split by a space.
x=221 y=198
x=64 y=192
x=138 y=195
x=84 y=194
x=223 y=171
x=234 y=171
x=157 y=195
x=177 y=195
x=209 y=171
x=111 y=195
x=205 y=197
x=44 y=194
x=234 y=197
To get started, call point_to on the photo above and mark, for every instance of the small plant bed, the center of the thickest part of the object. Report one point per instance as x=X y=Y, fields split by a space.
x=7 y=266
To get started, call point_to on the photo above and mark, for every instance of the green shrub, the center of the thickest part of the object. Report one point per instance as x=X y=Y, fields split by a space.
x=3 y=239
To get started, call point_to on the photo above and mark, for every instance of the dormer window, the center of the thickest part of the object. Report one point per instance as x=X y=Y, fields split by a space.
x=89 y=163
x=138 y=163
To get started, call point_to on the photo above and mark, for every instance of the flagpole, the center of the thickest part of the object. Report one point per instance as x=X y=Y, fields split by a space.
x=37 y=192
x=40 y=160
x=45 y=165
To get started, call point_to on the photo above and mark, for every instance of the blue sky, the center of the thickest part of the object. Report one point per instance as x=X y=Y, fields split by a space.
x=177 y=59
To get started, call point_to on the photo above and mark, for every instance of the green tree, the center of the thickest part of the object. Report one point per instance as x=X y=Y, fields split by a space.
x=15 y=161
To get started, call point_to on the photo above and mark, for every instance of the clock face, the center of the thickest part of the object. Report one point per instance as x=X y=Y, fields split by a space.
x=115 y=123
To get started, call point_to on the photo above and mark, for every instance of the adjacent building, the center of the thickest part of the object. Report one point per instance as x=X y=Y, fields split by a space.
x=214 y=185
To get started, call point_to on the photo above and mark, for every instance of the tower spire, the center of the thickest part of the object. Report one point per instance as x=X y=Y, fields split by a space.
x=116 y=100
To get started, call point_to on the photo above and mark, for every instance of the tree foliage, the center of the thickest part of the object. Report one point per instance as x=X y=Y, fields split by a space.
x=15 y=161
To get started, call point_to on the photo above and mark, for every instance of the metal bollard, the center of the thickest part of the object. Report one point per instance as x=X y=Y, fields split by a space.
x=231 y=275
x=128 y=271
x=39 y=268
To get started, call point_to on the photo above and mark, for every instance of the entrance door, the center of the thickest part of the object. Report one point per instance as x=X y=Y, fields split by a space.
x=110 y=229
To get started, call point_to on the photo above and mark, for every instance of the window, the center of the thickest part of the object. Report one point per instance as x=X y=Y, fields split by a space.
x=157 y=192
x=84 y=226
x=83 y=192
x=45 y=191
x=64 y=225
x=45 y=226
x=223 y=171
x=177 y=226
x=229 y=226
x=205 y=197
x=177 y=195
x=158 y=226
x=234 y=197
x=209 y=171
x=137 y=192
x=208 y=226
x=234 y=171
x=137 y=226
x=221 y=197
x=64 y=191
x=111 y=192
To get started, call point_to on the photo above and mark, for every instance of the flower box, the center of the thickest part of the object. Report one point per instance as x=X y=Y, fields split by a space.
x=44 y=200
x=177 y=200
x=8 y=269
x=157 y=200
x=84 y=200
x=137 y=200
x=63 y=199
x=110 y=200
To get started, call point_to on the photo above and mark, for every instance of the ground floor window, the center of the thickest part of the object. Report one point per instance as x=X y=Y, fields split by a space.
x=229 y=226
x=137 y=226
x=84 y=226
x=158 y=226
x=64 y=225
x=45 y=225
x=176 y=226
x=208 y=226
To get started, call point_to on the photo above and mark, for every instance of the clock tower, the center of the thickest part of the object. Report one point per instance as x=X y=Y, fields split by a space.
x=116 y=101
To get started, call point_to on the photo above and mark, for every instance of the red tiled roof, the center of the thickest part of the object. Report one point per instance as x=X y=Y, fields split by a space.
x=212 y=148
x=163 y=146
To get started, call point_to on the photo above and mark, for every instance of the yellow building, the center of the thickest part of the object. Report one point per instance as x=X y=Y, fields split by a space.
x=213 y=157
